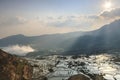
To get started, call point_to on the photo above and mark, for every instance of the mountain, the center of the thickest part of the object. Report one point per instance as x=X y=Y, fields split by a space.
x=105 y=39
x=14 y=68
x=15 y=39
x=43 y=42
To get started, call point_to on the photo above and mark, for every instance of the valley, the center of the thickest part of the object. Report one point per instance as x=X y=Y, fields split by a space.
x=59 y=39
x=58 y=67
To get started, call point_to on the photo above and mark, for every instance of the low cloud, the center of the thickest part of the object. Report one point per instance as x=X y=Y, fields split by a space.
x=18 y=50
x=10 y=21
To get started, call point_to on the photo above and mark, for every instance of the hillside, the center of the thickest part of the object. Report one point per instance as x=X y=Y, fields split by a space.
x=105 y=39
x=14 y=68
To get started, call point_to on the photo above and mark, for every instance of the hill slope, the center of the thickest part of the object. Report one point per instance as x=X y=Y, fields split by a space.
x=14 y=68
x=104 y=39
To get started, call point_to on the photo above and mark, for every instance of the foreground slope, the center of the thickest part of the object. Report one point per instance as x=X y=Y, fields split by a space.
x=14 y=68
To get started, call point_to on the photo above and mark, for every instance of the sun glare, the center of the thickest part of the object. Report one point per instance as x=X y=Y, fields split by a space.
x=108 y=5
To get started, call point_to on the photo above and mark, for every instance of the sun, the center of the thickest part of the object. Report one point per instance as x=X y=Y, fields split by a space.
x=108 y=5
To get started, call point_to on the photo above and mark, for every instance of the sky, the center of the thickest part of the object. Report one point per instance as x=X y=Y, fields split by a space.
x=38 y=17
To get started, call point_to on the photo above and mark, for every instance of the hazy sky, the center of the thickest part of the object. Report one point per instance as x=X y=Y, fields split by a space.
x=37 y=17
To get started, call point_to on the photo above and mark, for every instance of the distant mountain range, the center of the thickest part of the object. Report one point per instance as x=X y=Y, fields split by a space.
x=105 y=39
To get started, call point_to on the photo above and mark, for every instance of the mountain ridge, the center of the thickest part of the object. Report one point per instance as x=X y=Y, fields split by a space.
x=100 y=40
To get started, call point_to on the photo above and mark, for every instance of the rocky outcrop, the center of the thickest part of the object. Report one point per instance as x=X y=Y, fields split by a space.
x=79 y=77
x=96 y=77
x=14 y=68
x=84 y=77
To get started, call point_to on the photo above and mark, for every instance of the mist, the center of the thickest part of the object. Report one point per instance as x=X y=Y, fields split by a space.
x=20 y=50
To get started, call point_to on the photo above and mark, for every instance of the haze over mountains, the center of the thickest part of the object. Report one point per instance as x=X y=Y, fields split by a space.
x=104 y=39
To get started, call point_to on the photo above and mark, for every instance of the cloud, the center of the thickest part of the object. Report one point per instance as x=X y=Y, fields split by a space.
x=10 y=21
x=39 y=25
x=113 y=14
x=18 y=50
x=77 y=22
